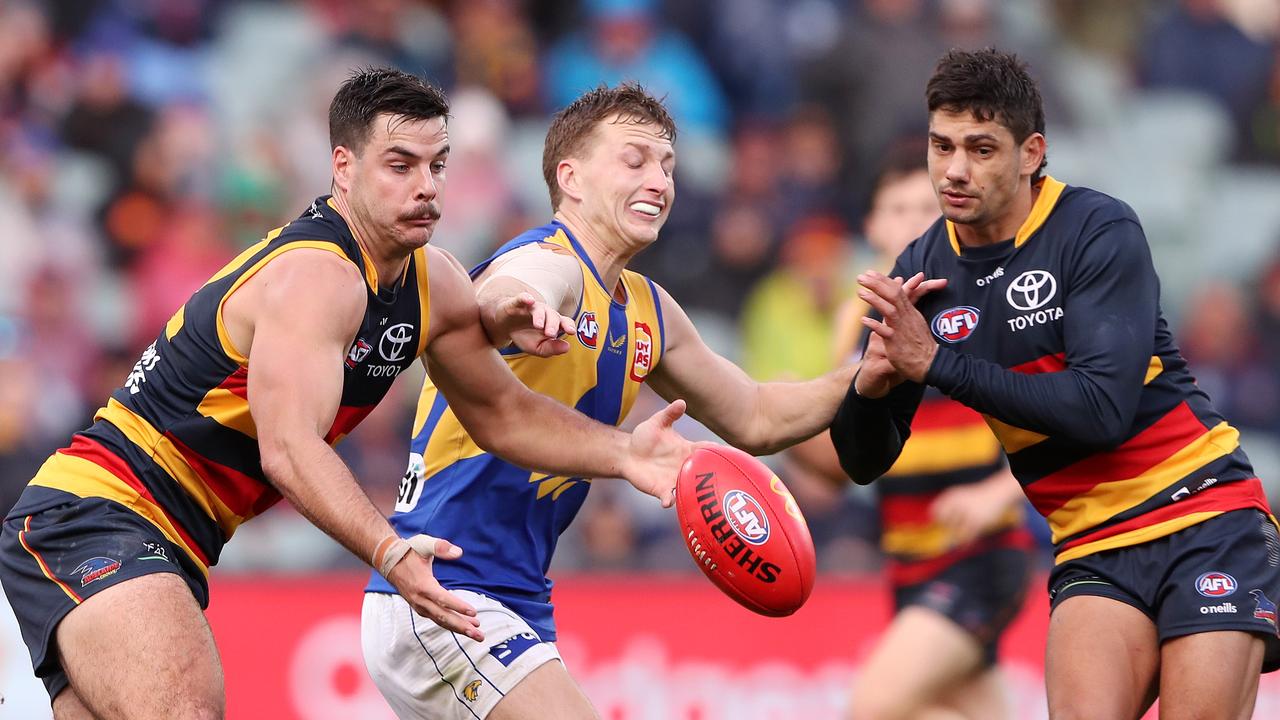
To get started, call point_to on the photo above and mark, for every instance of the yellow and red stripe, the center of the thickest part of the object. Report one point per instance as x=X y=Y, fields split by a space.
x=228 y=404
x=87 y=469
x=909 y=530
x=1238 y=495
x=242 y=496
x=910 y=571
x=950 y=444
x=202 y=488
x=1088 y=492
x=1015 y=439
x=44 y=567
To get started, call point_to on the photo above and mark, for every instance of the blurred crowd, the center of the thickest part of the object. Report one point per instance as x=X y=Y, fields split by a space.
x=144 y=142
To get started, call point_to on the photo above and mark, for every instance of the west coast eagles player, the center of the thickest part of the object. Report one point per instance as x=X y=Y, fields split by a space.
x=608 y=162
x=105 y=556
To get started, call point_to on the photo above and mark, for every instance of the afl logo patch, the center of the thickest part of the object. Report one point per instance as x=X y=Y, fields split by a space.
x=358 y=352
x=955 y=324
x=588 y=330
x=746 y=517
x=1215 y=584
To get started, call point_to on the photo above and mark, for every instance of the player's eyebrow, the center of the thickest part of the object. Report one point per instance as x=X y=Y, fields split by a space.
x=402 y=150
x=968 y=139
x=648 y=150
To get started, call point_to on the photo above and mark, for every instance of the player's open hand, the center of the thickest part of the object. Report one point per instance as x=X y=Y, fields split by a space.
x=534 y=326
x=656 y=453
x=876 y=375
x=413 y=578
x=907 y=342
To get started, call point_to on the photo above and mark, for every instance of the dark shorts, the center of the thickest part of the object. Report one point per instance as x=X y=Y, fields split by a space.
x=1223 y=574
x=981 y=593
x=53 y=558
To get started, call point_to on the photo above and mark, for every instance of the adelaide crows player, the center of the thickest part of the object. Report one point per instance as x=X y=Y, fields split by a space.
x=238 y=402
x=1166 y=551
x=609 y=163
x=951 y=518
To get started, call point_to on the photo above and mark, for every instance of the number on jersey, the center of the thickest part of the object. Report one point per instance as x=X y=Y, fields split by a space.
x=411 y=484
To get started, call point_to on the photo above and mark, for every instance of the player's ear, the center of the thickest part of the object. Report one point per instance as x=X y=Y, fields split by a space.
x=1033 y=150
x=343 y=165
x=569 y=179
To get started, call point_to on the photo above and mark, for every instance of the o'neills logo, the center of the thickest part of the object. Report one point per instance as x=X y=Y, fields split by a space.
x=723 y=533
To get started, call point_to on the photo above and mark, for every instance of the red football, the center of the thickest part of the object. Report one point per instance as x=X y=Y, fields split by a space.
x=744 y=530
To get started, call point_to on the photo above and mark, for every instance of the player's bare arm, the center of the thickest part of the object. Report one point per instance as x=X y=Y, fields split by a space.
x=528 y=296
x=297 y=317
x=506 y=418
x=758 y=417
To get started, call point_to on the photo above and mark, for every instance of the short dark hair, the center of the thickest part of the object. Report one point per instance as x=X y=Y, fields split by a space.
x=993 y=85
x=372 y=91
x=573 y=125
x=906 y=156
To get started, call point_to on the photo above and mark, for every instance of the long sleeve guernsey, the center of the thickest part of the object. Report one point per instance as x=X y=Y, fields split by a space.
x=1057 y=338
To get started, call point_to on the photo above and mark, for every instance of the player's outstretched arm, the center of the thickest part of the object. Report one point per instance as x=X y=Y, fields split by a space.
x=760 y=418
x=527 y=297
x=302 y=312
x=531 y=430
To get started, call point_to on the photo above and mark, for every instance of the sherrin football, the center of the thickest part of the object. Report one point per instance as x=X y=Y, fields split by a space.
x=745 y=531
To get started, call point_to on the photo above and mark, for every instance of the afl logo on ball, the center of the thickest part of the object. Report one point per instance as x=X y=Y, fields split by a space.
x=955 y=324
x=1215 y=584
x=746 y=517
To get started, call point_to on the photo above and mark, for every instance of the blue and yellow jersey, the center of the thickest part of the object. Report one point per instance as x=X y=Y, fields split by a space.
x=177 y=444
x=507 y=518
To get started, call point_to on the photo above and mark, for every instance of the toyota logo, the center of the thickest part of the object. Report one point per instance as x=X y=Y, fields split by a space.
x=1031 y=289
x=391 y=346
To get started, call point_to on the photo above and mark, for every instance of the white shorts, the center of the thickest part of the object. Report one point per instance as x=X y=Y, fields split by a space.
x=426 y=671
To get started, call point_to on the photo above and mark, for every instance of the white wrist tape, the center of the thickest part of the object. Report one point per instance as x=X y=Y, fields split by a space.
x=389 y=551
x=392 y=549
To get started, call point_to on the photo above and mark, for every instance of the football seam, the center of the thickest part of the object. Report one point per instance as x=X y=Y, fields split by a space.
x=728 y=588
